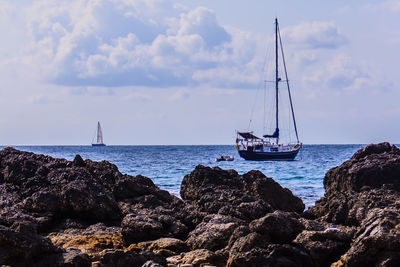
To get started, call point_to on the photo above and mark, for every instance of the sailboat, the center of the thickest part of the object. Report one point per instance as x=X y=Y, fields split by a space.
x=252 y=147
x=99 y=135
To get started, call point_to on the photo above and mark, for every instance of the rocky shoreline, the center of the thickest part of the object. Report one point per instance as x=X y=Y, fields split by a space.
x=55 y=212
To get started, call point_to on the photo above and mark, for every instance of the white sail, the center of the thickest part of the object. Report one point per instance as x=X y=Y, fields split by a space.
x=99 y=136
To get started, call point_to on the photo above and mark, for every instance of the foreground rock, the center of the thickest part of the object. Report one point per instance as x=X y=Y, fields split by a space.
x=364 y=193
x=249 y=196
x=79 y=206
x=55 y=212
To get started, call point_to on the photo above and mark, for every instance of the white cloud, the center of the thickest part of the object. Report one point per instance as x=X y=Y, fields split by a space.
x=127 y=42
x=341 y=74
x=387 y=6
x=178 y=95
x=316 y=34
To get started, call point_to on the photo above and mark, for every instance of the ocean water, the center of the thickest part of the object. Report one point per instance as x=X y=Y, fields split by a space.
x=167 y=165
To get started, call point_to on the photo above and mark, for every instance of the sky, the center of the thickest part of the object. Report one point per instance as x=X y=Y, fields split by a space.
x=160 y=72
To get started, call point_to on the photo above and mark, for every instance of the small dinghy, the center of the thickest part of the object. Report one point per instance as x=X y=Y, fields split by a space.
x=225 y=158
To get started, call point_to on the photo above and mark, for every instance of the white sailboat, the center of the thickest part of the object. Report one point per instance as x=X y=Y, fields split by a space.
x=99 y=136
x=268 y=147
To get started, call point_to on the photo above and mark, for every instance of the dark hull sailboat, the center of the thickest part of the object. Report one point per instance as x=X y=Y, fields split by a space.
x=251 y=147
x=99 y=136
x=98 y=144
x=261 y=155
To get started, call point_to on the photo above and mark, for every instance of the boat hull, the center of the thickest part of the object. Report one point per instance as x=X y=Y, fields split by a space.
x=98 y=145
x=260 y=155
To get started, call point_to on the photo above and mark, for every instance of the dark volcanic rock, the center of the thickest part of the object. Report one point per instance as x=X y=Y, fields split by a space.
x=363 y=192
x=280 y=226
x=40 y=194
x=44 y=191
x=373 y=166
x=249 y=196
x=55 y=212
x=326 y=246
x=27 y=249
x=213 y=233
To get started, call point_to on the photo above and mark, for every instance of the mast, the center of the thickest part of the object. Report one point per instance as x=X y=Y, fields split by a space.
x=99 y=134
x=276 y=78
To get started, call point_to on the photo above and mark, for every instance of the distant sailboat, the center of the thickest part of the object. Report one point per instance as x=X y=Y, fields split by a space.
x=99 y=134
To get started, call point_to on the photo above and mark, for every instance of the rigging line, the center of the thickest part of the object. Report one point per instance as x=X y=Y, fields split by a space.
x=259 y=84
x=288 y=87
x=265 y=100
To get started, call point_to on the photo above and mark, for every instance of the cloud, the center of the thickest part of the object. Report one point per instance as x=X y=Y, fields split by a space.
x=341 y=74
x=387 y=6
x=136 y=42
x=313 y=35
x=178 y=95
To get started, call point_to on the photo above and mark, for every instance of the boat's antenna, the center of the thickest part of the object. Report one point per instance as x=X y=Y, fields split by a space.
x=287 y=82
x=276 y=77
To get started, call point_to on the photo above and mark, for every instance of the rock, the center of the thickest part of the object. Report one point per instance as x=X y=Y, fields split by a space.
x=364 y=193
x=201 y=257
x=129 y=258
x=171 y=244
x=55 y=212
x=373 y=166
x=265 y=188
x=213 y=233
x=136 y=228
x=75 y=258
x=377 y=240
x=326 y=246
x=249 y=196
x=248 y=242
x=151 y=264
x=280 y=226
x=91 y=240
x=274 y=255
x=25 y=249
x=146 y=224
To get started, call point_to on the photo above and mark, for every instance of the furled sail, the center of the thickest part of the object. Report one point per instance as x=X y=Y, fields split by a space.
x=274 y=135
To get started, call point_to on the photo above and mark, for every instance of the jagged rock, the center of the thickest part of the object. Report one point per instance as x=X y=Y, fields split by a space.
x=201 y=257
x=280 y=226
x=377 y=240
x=373 y=166
x=148 y=224
x=91 y=240
x=248 y=242
x=75 y=258
x=265 y=188
x=325 y=246
x=91 y=213
x=136 y=228
x=213 y=233
x=363 y=192
x=171 y=244
x=111 y=258
x=273 y=255
x=25 y=249
x=214 y=190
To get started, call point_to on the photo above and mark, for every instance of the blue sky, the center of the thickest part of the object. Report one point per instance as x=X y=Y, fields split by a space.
x=188 y=72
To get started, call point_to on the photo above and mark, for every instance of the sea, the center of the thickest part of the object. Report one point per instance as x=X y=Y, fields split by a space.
x=166 y=165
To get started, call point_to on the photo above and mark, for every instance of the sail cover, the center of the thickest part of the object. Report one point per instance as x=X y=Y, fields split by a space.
x=274 y=135
x=248 y=135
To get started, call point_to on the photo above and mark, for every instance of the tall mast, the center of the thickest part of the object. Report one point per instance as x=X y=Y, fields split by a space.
x=276 y=76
